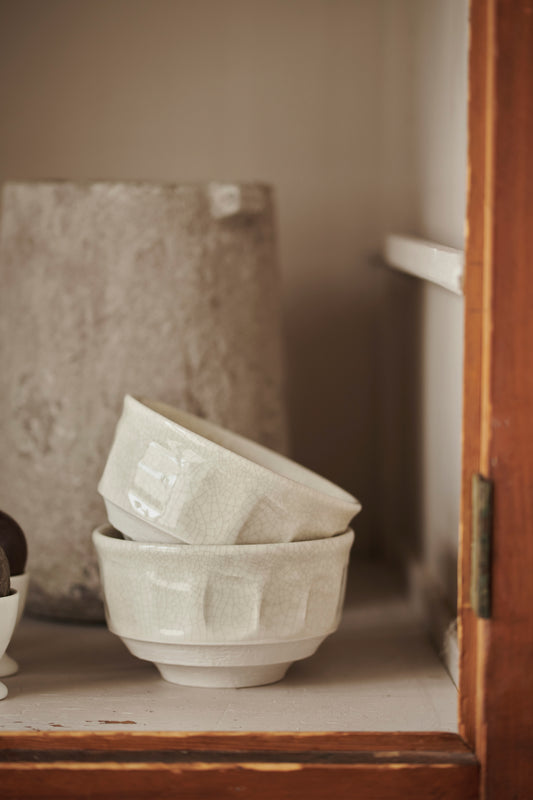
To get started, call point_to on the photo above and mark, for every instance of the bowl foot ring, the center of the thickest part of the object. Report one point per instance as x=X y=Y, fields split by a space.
x=223 y=677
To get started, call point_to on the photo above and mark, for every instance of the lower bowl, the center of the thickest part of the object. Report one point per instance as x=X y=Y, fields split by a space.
x=222 y=615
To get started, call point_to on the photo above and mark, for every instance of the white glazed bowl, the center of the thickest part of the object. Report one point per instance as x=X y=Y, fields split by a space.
x=8 y=665
x=8 y=620
x=211 y=615
x=172 y=477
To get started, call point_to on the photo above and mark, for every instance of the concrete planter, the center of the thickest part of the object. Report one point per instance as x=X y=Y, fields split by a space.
x=166 y=291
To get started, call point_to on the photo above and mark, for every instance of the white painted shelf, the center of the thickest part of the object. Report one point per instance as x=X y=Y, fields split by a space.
x=377 y=673
x=427 y=260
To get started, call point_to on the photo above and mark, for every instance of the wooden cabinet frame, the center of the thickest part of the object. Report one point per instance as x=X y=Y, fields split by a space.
x=492 y=758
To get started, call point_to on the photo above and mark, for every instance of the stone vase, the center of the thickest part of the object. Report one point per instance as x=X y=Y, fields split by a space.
x=166 y=291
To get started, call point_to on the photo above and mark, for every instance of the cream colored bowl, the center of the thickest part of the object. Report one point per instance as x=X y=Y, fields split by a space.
x=172 y=477
x=8 y=620
x=8 y=665
x=211 y=615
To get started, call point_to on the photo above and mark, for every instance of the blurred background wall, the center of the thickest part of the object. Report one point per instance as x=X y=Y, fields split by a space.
x=353 y=109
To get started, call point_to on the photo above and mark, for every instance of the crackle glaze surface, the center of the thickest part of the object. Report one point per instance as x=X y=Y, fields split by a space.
x=108 y=288
x=193 y=481
x=187 y=594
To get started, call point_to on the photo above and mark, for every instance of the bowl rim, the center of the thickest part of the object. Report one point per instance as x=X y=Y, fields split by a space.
x=332 y=542
x=12 y=593
x=156 y=409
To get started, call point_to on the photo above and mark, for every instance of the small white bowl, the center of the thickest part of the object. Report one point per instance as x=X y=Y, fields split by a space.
x=8 y=620
x=8 y=665
x=171 y=476
x=210 y=615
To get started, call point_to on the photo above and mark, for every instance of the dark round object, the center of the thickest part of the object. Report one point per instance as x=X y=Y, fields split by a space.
x=4 y=574
x=13 y=541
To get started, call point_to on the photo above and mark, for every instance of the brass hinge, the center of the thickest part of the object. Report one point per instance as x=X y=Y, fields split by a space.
x=480 y=589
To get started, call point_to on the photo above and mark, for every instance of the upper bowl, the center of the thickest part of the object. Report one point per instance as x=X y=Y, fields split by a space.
x=173 y=476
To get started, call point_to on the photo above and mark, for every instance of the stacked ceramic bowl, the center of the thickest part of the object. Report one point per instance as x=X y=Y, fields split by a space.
x=223 y=562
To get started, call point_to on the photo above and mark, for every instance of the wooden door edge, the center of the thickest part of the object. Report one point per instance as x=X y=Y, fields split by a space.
x=480 y=100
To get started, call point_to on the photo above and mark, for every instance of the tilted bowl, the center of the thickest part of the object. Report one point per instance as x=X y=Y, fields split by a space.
x=171 y=476
x=217 y=615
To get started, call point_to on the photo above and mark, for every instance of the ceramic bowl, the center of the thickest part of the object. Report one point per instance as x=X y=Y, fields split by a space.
x=8 y=665
x=171 y=476
x=8 y=620
x=210 y=615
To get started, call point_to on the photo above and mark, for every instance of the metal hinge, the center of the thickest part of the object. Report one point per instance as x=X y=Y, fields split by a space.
x=480 y=589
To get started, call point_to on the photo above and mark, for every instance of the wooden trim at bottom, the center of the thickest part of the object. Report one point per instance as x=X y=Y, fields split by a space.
x=260 y=781
x=376 y=766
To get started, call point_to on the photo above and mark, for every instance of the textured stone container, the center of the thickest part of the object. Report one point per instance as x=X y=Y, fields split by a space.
x=108 y=288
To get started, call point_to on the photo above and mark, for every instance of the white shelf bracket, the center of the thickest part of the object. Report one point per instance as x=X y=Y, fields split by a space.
x=432 y=262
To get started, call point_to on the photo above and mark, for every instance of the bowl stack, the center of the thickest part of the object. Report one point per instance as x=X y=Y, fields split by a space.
x=223 y=562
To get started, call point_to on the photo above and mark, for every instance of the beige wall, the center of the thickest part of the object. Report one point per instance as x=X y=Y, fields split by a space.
x=325 y=99
x=287 y=92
